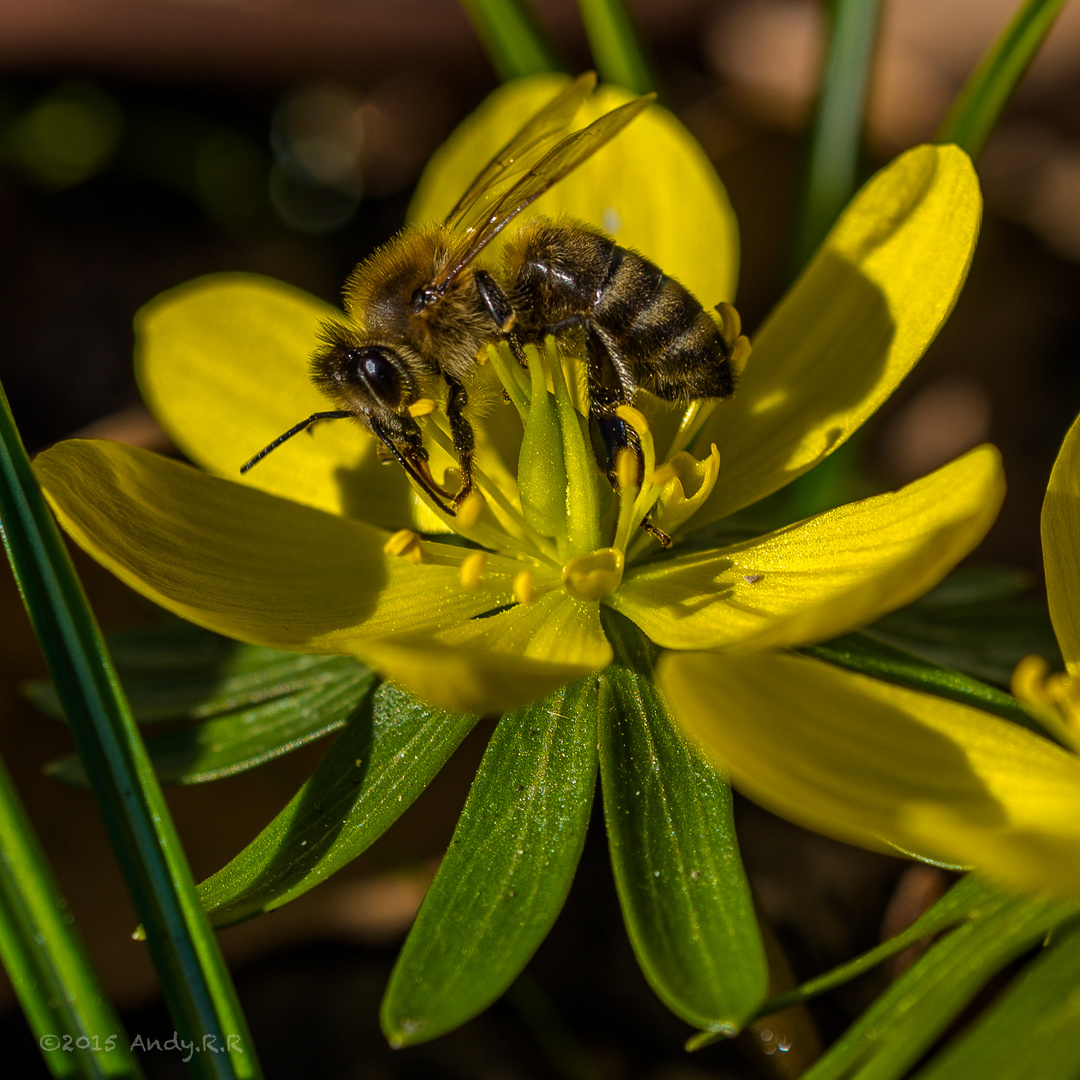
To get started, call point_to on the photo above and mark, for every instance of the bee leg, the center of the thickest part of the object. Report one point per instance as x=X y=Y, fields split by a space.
x=412 y=456
x=610 y=385
x=462 y=433
x=501 y=311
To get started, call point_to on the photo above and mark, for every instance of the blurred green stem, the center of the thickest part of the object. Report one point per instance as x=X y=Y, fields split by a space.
x=834 y=148
x=194 y=978
x=514 y=42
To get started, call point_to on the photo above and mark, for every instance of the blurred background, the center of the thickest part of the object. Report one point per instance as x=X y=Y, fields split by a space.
x=144 y=142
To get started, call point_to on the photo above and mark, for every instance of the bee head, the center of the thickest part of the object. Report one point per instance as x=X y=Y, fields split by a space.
x=362 y=376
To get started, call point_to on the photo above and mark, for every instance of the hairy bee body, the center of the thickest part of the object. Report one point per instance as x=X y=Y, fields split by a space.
x=643 y=329
x=422 y=307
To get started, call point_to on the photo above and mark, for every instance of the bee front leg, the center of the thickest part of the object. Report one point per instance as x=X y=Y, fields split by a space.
x=462 y=433
x=401 y=436
x=502 y=312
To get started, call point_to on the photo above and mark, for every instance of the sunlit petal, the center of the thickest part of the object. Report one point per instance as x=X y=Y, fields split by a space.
x=223 y=364
x=824 y=576
x=651 y=187
x=1061 y=548
x=250 y=565
x=868 y=762
x=852 y=326
x=498 y=663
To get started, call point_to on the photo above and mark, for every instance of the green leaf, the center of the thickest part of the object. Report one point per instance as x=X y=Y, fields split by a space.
x=976 y=622
x=909 y=1017
x=1030 y=1029
x=330 y=691
x=616 y=47
x=979 y=104
x=193 y=975
x=387 y=755
x=508 y=869
x=862 y=651
x=966 y=899
x=514 y=42
x=44 y=956
x=834 y=149
x=681 y=884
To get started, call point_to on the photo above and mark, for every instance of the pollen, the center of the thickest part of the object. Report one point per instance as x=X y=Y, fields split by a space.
x=402 y=542
x=422 y=407
x=523 y=588
x=472 y=566
x=468 y=513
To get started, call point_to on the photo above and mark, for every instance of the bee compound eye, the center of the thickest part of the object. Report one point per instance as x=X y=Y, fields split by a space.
x=379 y=372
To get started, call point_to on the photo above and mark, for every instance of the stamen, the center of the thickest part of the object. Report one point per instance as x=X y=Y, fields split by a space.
x=523 y=588
x=594 y=576
x=626 y=469
x=422 y=407
x=472 y=566
x=1049 y=698
x=663 y=474
x=468 y=513
x=740 y=354
x=401 y=542
x=730 y=323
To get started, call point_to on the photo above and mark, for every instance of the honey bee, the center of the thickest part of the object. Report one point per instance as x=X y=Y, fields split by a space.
x=421 y=309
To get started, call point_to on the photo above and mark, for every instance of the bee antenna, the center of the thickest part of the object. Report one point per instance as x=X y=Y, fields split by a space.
x=314 y=418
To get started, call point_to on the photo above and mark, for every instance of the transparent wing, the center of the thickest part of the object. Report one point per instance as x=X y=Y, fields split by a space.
x=558 y=162
x=525 y=148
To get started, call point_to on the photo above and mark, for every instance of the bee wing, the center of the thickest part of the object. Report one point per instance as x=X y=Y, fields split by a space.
x=557 y=163
x=525 y=148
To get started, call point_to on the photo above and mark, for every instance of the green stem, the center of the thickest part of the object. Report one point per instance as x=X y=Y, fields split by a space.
x=514 y=43
x=979 y=104
x=76 y=1028
x=834 y=149
x=196 y=982
x=616 y=47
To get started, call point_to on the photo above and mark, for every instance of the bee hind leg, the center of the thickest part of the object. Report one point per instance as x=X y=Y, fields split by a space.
x=462 y=433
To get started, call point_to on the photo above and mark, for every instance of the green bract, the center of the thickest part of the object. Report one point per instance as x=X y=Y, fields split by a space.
x=323 y=549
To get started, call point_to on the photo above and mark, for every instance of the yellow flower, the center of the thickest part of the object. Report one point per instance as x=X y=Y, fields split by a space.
x=321 y=548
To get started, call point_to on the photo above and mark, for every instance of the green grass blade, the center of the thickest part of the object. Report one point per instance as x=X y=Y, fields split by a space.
x=834 y=149
x=979 y=104
x=385 y=757
x=76 y=1028
x=909 y=1017
x=617 y=49
x=863 y=651
x=507 y=871
x=514 y=42
x=196 y=982
x=1030 y=1029
x=681 y=884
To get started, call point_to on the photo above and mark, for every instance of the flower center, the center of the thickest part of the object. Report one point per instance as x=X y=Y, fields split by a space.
x=539 y=495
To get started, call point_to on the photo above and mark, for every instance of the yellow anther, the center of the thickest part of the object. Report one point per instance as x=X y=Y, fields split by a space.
x=1028 y=682
x=626 y=469
x=415 y=554
x=468 y=513
x=739 y=355
x=662 y=475
x=594 y=576
x=472 y=566
x=730 y=323
x=401 y=542
x=634 y=418
x=523 y=588
x=422 y=407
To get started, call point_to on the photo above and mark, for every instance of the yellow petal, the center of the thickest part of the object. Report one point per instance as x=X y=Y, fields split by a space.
x=868 y=762
x=852 y=326
x=223 y=364
x=248 y=564
x=651 y=187
x=1061 y=548
x=497 y=663
x=824 y=576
